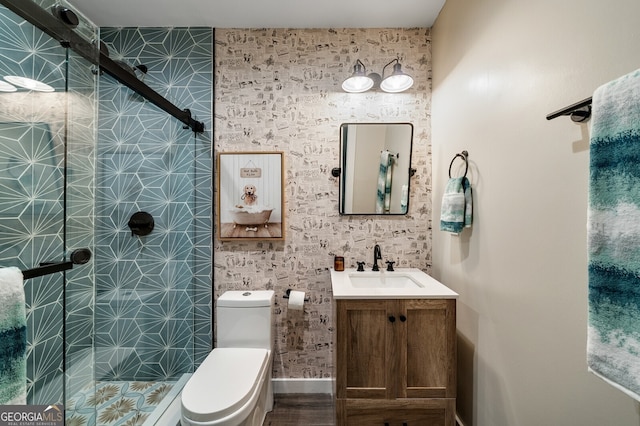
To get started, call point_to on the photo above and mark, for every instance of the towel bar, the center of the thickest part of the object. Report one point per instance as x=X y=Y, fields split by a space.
x=465 y=156
x=579 y=112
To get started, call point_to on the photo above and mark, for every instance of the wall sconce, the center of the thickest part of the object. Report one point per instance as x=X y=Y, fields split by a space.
x=360 y=81
x=398 y=81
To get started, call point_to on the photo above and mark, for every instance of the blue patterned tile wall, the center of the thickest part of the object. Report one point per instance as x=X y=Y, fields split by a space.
x=153 y=293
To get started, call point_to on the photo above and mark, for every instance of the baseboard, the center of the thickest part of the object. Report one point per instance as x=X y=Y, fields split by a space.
x=302 y=386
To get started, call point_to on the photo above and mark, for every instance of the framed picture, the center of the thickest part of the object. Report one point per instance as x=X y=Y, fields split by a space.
x=250 y=196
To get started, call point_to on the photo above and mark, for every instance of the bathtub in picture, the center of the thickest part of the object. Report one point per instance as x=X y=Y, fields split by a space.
x=248 y=222
x=251 y=216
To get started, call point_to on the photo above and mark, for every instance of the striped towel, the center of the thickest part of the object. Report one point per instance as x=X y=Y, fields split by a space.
x=383 y=198
x=613 y=339
x=457 y=206
x=13 y=335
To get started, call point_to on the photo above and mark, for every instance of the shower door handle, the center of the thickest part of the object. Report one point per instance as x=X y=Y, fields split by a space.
x=78 y=257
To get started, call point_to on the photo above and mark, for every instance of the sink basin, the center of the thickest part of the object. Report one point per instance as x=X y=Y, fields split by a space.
x=403 y=283
x=377 y=280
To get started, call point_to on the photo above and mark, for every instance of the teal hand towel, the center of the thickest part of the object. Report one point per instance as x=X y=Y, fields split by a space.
x=457 y=206
x=613 y=338
x=385 y=174
x=13 y=335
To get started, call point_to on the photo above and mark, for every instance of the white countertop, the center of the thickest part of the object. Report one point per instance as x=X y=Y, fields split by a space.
x=430 y=287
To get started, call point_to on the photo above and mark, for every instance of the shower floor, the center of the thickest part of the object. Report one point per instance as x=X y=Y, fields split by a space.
x=117 y=403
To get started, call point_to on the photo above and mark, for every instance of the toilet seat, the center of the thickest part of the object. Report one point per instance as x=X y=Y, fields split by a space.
x=224 y=383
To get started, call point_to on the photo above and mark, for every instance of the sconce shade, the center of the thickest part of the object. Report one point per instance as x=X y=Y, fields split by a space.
x=359 y=81
x=398 y=81
x=29 y=83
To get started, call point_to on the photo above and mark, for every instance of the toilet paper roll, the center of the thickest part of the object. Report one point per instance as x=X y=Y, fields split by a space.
x=296 y=300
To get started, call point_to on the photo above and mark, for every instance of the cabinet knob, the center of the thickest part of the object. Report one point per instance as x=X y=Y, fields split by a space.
x=403 y=319
x=392 y=318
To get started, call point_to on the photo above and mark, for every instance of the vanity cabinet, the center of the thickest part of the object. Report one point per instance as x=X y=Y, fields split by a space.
x=395 y=362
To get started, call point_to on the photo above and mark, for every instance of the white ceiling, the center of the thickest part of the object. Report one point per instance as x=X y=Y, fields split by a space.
x=261 y=13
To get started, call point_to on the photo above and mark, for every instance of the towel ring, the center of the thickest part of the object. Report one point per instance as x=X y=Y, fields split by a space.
x=464 y=155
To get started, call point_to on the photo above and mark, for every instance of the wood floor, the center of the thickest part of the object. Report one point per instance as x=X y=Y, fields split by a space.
x=301 y=409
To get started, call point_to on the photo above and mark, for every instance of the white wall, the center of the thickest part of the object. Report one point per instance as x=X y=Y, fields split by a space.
x=499 y=67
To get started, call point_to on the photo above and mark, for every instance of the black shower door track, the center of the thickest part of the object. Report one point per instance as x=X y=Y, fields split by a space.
x=64 y=34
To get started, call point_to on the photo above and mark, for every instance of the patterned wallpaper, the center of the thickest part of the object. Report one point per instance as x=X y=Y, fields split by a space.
x=279 y=90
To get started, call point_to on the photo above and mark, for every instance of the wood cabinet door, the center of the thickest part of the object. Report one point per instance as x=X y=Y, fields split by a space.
x=427 y=361
x=365 y=350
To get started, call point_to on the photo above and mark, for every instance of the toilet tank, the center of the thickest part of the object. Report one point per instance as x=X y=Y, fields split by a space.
x=244 y=319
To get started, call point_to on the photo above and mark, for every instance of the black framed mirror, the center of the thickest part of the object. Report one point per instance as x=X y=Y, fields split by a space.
x=375 y=168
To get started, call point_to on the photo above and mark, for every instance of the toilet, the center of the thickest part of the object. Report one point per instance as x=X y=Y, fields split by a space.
x=232 y=387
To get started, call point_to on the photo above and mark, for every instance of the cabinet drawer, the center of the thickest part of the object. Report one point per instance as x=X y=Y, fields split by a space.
x=432 y=412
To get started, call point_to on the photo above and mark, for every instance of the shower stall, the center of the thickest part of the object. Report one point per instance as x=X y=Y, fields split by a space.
x=113 y=339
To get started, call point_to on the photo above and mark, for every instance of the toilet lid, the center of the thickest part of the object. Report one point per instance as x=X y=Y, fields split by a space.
x=223 y=383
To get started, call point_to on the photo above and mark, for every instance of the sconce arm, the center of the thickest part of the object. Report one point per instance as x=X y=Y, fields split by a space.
x=385 y=67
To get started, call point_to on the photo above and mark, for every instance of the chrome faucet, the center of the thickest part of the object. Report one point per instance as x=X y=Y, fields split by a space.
x=377 y=255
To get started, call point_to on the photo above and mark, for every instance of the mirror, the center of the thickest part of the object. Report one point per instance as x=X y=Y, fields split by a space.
x=375 y=168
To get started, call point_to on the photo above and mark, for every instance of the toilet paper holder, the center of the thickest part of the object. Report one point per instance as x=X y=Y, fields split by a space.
x=286 y=295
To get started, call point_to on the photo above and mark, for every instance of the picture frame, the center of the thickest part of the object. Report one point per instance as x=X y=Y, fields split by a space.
x=250 y=203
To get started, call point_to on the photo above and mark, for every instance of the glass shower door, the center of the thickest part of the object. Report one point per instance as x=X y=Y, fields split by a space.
x=31 y=194
x=31 y=221
x=46 y=202
x=81 y=122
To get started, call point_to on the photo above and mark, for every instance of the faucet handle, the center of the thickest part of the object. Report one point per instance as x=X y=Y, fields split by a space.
x=360 y=266
x=390 y=265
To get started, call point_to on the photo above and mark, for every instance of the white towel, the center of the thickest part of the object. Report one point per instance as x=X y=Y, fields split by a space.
x=13 y=335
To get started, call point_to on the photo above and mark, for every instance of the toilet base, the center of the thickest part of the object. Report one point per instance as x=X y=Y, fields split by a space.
x=258 y=413
x=263 y=406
